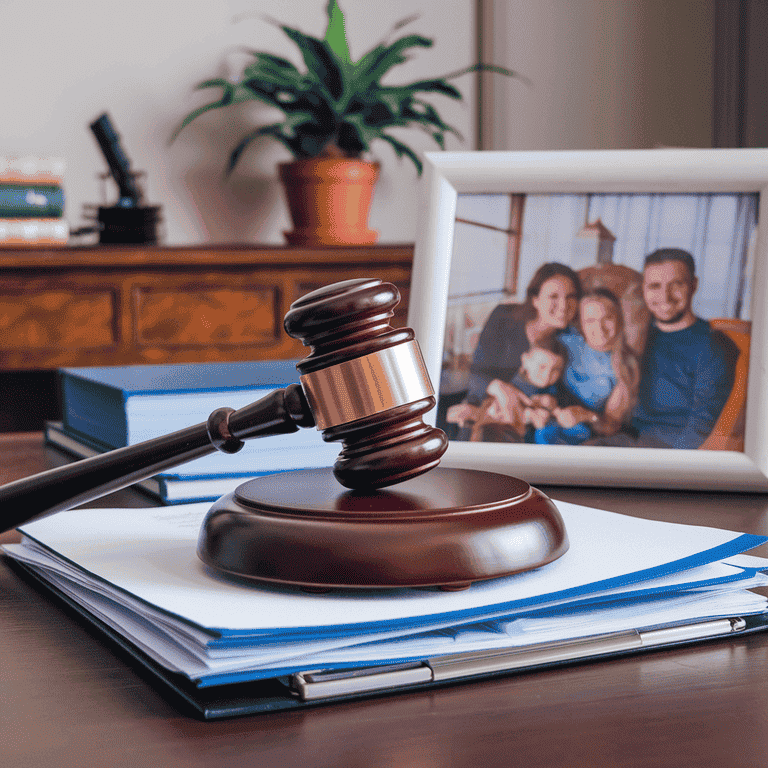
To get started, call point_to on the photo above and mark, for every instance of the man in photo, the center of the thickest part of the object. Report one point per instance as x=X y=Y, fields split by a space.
x=688 y=370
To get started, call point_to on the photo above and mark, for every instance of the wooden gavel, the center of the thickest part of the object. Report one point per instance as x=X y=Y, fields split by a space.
x=364 y=384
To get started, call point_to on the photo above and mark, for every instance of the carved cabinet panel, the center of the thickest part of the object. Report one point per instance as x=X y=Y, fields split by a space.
x=55 y=317
x=117 y=305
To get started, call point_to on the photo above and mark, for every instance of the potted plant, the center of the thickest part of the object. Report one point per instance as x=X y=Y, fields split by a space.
x=332 y=112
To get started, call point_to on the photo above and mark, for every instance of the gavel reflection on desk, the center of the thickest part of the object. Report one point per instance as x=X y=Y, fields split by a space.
x=364 y=384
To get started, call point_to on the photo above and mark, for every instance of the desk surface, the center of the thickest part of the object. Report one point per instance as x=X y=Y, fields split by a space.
x=69 y=701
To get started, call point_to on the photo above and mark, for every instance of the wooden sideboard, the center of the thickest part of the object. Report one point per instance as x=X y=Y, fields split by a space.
x=121 y=305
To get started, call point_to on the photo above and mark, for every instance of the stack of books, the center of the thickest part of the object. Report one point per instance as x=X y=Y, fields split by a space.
x=32 y=201
x=112 y=407
x=224 y=647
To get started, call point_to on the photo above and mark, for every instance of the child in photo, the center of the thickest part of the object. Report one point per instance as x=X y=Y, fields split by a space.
x=601 y=378
x=540 y=370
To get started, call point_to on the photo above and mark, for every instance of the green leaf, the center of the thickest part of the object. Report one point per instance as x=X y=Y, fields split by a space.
x=392 y=98
x=312 y=144
x=415 y=113
x=299 y=143
x=365 y=62
x=275 y=69
x=299 y=106
x=377 y=113
x=296 y=119
x=428 y=86
x=439 y=139
x=270 y=130
x=350 y=141
x=364 y=132
x=429 y=116
x=269 y=82
x=277 y=61
x=320 y=61
x=378 y=61
x=335 y=36
x=401 y=149
x=227 y=98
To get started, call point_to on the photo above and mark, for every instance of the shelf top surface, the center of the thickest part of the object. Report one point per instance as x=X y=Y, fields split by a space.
x=44 y=257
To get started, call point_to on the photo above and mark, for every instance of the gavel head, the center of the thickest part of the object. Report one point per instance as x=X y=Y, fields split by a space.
x=366 y=383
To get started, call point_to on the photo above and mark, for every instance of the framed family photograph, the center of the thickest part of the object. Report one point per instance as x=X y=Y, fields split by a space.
x=598 y=317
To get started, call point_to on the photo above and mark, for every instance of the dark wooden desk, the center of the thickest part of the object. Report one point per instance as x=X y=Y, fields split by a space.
x=69 y=701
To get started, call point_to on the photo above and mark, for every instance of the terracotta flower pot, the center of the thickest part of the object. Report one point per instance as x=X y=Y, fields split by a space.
x=329 y=200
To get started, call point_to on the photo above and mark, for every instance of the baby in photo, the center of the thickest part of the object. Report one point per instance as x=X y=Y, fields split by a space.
x=541 y=367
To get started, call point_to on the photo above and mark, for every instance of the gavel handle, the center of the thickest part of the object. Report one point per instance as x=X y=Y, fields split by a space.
x=279 y=413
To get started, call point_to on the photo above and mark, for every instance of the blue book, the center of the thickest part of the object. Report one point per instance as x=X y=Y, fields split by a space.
x=124 y=405
x=39 y=201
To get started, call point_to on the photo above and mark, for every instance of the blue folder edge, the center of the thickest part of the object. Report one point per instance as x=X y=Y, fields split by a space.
x=739 y=544
x=271 y=695
x=585 y=603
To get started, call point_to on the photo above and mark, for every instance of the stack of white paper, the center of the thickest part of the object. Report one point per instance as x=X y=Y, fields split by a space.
x=137 y=571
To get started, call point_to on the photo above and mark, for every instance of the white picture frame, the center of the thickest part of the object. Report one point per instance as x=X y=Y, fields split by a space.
x=449 y=174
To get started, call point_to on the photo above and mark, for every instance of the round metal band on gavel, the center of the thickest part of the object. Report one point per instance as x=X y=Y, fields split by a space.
x=367 y=385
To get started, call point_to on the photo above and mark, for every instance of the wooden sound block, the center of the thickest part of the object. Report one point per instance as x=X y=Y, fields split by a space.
x=446 y=528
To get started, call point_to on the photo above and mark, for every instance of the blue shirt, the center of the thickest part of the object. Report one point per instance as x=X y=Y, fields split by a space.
x=685 y=379
x=589 y=374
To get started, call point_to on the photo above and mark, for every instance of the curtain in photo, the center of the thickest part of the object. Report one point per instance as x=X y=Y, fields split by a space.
x=717 y=229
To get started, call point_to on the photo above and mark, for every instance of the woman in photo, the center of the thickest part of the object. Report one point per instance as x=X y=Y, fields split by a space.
x=551 y=304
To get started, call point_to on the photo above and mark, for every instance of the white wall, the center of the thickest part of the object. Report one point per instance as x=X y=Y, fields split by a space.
x=605 y=74
x=62 y=63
